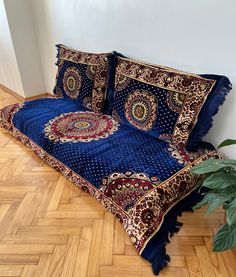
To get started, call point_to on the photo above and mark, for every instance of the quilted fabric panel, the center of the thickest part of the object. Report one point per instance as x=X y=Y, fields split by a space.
x=82 y=77
x=158 y=100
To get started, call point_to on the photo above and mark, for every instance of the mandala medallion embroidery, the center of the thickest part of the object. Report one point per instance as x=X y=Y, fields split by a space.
x=141 y=109
x=80 y=127
x=175 y=101
x=72 y=82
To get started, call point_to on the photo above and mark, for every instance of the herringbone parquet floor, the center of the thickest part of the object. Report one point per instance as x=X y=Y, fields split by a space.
x=48 y=227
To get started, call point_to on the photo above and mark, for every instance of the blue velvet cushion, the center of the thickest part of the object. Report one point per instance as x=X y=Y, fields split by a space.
x=82 y=77
x=160 y=101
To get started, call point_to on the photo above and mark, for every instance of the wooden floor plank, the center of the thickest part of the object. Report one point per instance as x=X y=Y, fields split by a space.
x=19 y=259
x=193 y=266
x=26 y=249
x=35 y=239
x=119 y=239
x=81 y=263
x=107 y=239
x=56 y=262
x=70 y=257
x=11 y=270
x=96 y=248
x=206 y=266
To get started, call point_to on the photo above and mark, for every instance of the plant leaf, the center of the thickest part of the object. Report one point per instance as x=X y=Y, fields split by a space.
x=217 y=199
x=231 y=212
x=220 y=180
x=202 y=202
x=202 y=179
x=214 y=200
x=227 y=142
x=212 y=165
x=225 y=238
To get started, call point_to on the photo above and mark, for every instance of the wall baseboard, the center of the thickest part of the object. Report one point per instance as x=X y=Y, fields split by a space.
x=21 y=98
x=46 y=94
x=11 y=92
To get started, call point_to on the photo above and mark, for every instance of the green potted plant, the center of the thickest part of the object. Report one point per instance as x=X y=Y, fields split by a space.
x=219 y=181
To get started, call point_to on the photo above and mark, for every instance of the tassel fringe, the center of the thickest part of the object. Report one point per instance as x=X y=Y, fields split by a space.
x=155 y=251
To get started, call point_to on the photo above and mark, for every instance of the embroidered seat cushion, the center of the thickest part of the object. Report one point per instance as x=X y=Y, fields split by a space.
x=158 y=100
x=82 y=77
x=144 y=181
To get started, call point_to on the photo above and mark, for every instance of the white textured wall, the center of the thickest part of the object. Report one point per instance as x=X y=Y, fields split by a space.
x=197 y=36
x=20 y=19
x=9 y=72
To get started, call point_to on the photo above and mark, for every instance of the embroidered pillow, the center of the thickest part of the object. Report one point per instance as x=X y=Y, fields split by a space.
x=82 y=77
x=160 y=101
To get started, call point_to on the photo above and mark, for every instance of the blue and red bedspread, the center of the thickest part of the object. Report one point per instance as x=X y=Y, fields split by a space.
x=144 y=181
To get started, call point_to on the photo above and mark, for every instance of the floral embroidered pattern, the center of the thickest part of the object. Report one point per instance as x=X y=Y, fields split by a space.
x=57 y=92
x=175 y=101
x=126 y=189
x=100 y=86
x=141 y=109
x=7 y=113
x=72 y=82
x=188 y=117
x=115 y=115
x=121 y=82
x=163 y=78
x=66 y=53
x=80 y=127
x=87 y=102
x=91 y=71
x=176 y=154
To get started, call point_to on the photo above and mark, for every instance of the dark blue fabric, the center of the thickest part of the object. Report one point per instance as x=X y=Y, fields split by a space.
x=166 y=118
x=112 y=60
x=126 y=150
x=86 y=86
x=209 y=109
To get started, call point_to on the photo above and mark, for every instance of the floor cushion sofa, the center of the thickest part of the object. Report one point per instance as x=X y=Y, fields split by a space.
x=128 y=133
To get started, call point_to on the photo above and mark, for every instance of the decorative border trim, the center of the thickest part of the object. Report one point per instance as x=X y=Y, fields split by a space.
x=101 y=76
x=75 y=56
x=163 y=197
x=163 y=77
